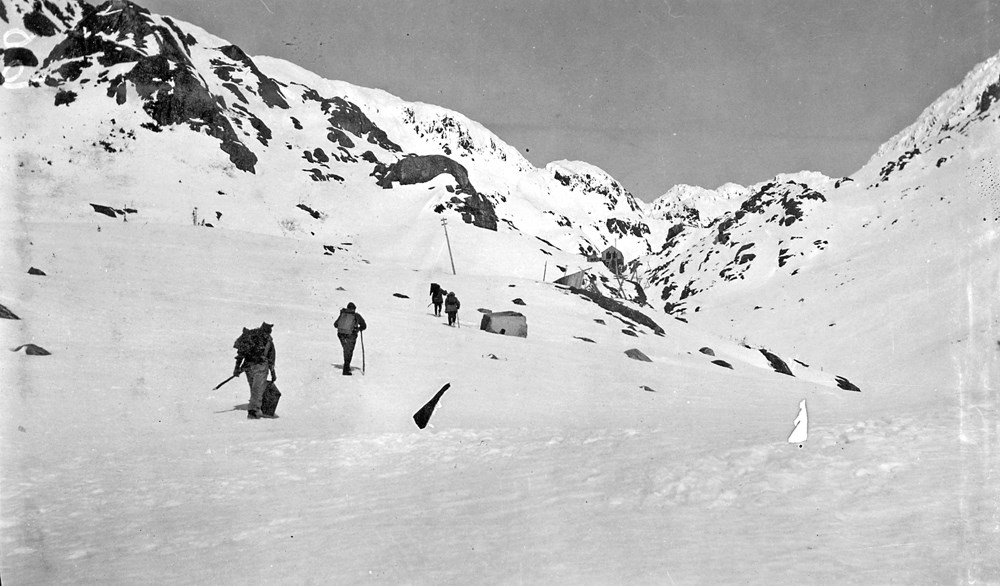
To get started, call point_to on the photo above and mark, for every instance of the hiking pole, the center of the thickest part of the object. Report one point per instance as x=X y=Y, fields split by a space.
x=362 y=352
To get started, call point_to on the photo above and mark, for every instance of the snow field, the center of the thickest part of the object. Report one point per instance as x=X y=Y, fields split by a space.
x=548 y=464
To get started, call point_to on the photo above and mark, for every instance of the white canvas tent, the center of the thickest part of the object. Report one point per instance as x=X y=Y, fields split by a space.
x=508 y=323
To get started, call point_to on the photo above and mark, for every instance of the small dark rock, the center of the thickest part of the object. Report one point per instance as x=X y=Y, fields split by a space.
x=518 y=301
x=707 y=351
x=6 y=313
x=846 y=384
x=32 y=350
x=400 y=295
x=635 y=354
x=630 y=333
x=34 y=271
x=777 y=363
x=723 y=364
x=647 y=389
x=600 y=321
x=102 y=209
x=65 y=97
x=585 y=339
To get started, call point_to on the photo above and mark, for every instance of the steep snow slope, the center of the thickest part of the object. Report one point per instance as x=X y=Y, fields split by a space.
x=552 y=459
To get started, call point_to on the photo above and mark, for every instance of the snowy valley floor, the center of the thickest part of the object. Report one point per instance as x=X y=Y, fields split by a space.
x=548 y=462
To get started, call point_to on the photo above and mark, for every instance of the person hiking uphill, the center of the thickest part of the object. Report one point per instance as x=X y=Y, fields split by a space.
x=348 y=324
x=451 y=305
x=437 y=298
x=255 y=355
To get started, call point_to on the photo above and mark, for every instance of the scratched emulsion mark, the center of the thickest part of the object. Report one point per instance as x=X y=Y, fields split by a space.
x=801 y=432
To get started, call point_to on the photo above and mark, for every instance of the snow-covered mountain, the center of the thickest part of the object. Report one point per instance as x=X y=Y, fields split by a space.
x=696 y=206
x=125 y=86
x=163 y=190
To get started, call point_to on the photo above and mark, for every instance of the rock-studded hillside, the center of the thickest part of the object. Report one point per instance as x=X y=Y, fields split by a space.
x=258 y=144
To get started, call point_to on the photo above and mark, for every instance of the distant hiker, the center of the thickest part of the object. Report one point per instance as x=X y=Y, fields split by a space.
x=348 y=324
x=451 y=305
x=255 y=355
x=437 y=298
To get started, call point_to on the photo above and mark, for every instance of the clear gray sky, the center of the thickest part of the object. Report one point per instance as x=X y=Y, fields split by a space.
x=655 y=92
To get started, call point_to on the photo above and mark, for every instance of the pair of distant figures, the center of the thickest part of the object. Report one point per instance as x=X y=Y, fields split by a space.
x=448 y=299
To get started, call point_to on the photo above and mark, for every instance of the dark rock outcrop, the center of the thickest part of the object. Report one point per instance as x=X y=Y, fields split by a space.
x=421 y=169
x=167 y=82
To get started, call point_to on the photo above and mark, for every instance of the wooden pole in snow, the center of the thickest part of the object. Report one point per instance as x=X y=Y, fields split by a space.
x=444 y=222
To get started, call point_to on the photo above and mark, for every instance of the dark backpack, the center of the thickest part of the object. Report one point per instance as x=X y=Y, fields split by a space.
x=252 y=345
x=346 y=322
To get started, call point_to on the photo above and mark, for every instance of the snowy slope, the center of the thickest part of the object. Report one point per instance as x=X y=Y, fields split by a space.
x=551 y=459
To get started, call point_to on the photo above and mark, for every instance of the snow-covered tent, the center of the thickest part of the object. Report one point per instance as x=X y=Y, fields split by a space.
x=574 y=280
x=508 y=323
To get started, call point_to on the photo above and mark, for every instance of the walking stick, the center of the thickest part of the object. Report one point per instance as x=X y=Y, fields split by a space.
x=362 y=352
x=225 y=381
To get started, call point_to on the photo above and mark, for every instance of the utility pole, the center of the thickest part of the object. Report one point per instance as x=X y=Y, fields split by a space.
x=444 y=223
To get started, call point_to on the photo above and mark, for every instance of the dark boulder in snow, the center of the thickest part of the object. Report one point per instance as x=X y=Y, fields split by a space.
x=65 y=97
x=6 y=313
x=518 y=301
x=19 y=57
x=776 y=362
x=34 y=271
x=400 y=295
x=707 y=351
x=585 y=339
x=636 y=354
x=846 y=384
x=723 y=364
x=32 y=350
x=105 y=210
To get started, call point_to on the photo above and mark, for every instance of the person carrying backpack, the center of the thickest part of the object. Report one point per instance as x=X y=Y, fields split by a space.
x=451 y=305
x=255 y=355
x=437 y=298
x=348 y=324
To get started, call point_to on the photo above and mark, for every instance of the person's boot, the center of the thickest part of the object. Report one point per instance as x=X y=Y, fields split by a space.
x=347 y=371
x=252 y=414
